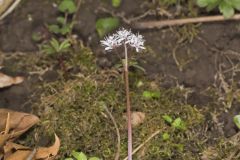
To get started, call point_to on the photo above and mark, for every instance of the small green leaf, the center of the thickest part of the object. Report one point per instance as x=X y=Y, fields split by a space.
x=65 y=29
x=165 y=136
x=61 y=20
x=48 y=49
x=235 y=4
x=151 y=94
x=94 y=158
x=64 y=45
x=67 y=6
x=116 y=3
x=167 y=118
x=68 y=159
x=54 y=28
x=213 y=4
x=236 y=120
x=179 y=124
x=106 y=25
x=226 y=9
x=179 y=147
x=37 y=37
x=79 y=155
x=55 y=44
x=202 y=3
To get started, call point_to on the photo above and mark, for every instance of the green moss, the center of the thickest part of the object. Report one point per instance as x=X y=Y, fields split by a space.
x=73 y=109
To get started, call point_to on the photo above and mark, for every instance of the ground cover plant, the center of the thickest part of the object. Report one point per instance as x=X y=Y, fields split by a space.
x=63 y=64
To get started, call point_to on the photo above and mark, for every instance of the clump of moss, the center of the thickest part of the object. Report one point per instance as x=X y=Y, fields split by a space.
x=73 y=109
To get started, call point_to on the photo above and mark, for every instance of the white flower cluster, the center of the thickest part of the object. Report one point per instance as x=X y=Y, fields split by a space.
x=123 y=36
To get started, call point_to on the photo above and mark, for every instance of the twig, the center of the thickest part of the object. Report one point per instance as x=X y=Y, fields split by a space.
x=176 y=60
x=10 y=9
x=78 y=7
x=117 y=131
x=32 y=154
x=176 y=22
x=146 y=141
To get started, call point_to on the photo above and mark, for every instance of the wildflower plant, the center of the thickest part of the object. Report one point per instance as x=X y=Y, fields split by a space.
x=125 y=38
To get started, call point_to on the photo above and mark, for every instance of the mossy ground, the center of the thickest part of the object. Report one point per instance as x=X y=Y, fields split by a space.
x=73 y=108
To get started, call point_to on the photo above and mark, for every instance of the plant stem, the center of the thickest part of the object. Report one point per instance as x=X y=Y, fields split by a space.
x=128 y=104
x=177 y=22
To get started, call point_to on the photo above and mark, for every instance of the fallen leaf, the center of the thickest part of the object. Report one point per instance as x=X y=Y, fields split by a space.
x=3 y=139
x=136 y=118
x=4 y=136
x=19 y=155
x=209 y=153
x=6 y=81
x=13 y=151
x=50 y=152
x=19 y=122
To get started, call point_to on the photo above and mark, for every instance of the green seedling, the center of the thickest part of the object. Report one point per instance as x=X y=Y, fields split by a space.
x=116 y=3
x=80 y=156
x=64 y=26
x=56 y=47
x=226 y=7
x=168 y=119
x=165 y=136
x=67 y=6
x=236 y=120
x=151 y=94
x=106 y=25
x=178 y=123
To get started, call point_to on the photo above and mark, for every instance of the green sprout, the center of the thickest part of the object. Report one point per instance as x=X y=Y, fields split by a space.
x=80 y=156
x=226 y=7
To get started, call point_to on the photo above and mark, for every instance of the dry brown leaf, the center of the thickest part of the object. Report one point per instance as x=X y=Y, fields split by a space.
x=18 y=122
x=50 y=152
x=137 y=118
x=3 y=139
x=4 y=136
x=19 y=155
x=13 y=151
x=209 y=153
x=6 y=81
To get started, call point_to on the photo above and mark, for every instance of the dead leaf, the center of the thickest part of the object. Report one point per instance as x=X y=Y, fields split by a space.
x=3 y=139
x=6 y=81
x=4 y=136
x=136 y=118
x=13 y=151
x=18 y=122
x=209 y=153
x=50 y=152
x=12 y=125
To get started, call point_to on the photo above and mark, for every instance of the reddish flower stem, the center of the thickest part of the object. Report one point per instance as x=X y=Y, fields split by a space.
x=128 y=104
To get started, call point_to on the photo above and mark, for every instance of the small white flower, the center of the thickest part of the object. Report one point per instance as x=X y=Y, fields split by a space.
x=136 y=41
x=123 y=37
x=110 y=42
x=123 y=34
